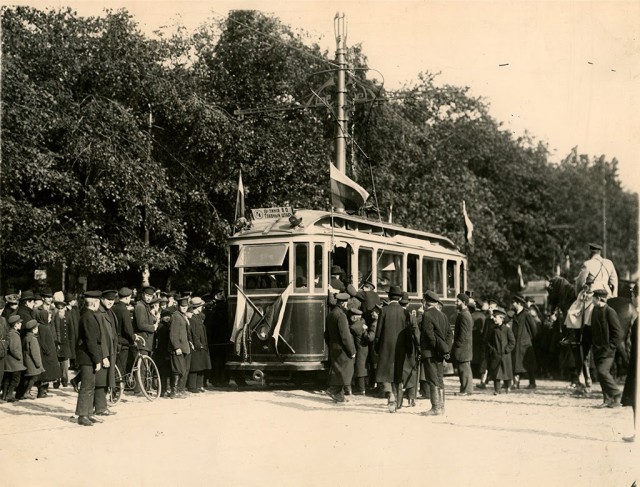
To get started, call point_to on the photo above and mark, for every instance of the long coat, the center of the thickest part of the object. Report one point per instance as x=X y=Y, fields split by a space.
x=341 y=348
x=606 y=334
x=31 y=354
x=61 y=326
x=89 y=349
x=500 y=344
x=462 y=350
x=479 y=343
x=361 y=338
x=435 y=334
x=178 y=334
x=124 y=326
x=411 y=337
x=46 y=337
x=73 y=318
x=200 y=359
x=13 y=360
x=524 y=330
x=109 y=343
x=389 y=345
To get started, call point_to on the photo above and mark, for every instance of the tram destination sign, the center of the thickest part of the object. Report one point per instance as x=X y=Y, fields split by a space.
x=271 y=213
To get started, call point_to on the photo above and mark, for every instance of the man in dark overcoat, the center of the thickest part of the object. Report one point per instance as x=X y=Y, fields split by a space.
x=435 y=340
x=108 y=340
x=124 y=327
x=500 y=344
x=370 y=304
x=362 y=335
x=390 y=346
x=462 y=350
x=25 y=308
x=47 y=341
x=90 y=360
x=61 y=327
x=342 y=350
x=524 y=329
x=216 y=321
x=145 y=323
x=73 y=318
x=606 y=338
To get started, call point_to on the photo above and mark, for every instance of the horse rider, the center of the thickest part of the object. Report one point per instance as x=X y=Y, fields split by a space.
x=603 y=271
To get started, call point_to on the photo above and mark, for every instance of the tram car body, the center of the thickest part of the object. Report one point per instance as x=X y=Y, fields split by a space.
x=279 y=275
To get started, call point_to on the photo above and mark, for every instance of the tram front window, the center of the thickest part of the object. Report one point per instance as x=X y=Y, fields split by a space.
x=266 y=267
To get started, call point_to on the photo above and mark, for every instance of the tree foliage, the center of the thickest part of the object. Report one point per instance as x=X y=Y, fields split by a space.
x=107 y=132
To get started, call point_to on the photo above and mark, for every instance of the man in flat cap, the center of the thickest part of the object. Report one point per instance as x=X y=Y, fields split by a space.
x=462 y=350
x=524 y=330
x=606 y=338
x=145 y=323
x=342 y=350
x=391 y=350
x=25 y=308
x=179 y=346
x=108 y=338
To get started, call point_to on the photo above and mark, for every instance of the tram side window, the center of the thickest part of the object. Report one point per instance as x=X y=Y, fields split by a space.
x=365 y=265
x=234 y=274
x=463 y=286
x=432 y=276
x=317 y=266
x=389 y=270
x=451 y=279
x=412 y=273
x=302 y=262
x=266 y=266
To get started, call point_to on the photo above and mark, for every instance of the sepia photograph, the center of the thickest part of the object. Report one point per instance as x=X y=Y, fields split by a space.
x=319 y=243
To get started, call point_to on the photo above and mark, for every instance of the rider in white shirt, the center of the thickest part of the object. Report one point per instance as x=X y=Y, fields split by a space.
x=603 y=271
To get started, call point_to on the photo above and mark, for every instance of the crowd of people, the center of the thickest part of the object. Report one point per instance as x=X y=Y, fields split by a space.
x=402 y=352
x=45 y=335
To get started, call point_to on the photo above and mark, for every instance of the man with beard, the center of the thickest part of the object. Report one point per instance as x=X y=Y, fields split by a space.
x=90 y=361
x=435 y=337
x=462 y=350
x=342 y=350
x=391 y=350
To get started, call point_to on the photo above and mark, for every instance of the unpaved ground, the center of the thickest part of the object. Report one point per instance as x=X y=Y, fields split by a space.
x=293 y=437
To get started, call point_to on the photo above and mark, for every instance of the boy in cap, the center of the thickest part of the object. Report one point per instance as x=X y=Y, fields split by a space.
x=500 y=344
x=32 y=359
x=13 y=364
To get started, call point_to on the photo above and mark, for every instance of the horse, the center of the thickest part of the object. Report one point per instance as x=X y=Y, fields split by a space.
x=561 y=294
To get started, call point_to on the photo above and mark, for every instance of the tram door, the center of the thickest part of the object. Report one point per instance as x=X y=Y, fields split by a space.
x=341 y=257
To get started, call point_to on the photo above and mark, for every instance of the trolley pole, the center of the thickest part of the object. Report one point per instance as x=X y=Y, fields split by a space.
x=341 y=38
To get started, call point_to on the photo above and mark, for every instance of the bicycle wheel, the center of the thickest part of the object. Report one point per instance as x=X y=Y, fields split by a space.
x=115 y=393
x=148 y=377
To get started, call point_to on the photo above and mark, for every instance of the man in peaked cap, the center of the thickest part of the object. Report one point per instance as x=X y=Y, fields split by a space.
x=391 y=350
x=435 y=340
x=124 y=327
x=179 y=346
x=342 y=351
x=602 y=272
x=462 y=350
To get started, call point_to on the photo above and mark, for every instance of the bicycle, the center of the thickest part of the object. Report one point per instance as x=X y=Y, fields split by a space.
x=144 y=372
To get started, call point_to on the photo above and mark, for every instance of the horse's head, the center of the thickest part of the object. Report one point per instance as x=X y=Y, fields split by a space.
x=561 y=293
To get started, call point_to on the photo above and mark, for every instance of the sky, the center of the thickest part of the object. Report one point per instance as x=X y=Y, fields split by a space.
x=567 y=72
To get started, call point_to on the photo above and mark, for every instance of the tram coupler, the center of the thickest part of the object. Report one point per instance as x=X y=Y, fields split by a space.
x=258 y=375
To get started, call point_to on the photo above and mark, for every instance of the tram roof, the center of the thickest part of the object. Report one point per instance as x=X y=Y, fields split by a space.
x=316 y=222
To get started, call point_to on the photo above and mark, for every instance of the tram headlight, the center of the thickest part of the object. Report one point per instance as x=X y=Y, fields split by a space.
x=263 y=332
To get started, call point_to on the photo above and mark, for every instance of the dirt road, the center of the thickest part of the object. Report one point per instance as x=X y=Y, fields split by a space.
x=293 y=437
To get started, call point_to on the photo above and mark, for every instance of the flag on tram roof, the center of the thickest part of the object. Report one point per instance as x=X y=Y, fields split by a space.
x=468 y=226
x=345 y=192
x=240 y=198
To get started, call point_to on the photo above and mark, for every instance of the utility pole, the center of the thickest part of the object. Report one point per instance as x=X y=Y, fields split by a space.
x=145 y=273
x=604 y=211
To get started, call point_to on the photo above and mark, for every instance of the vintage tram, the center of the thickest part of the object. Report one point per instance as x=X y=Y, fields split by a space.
x=279 y=271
